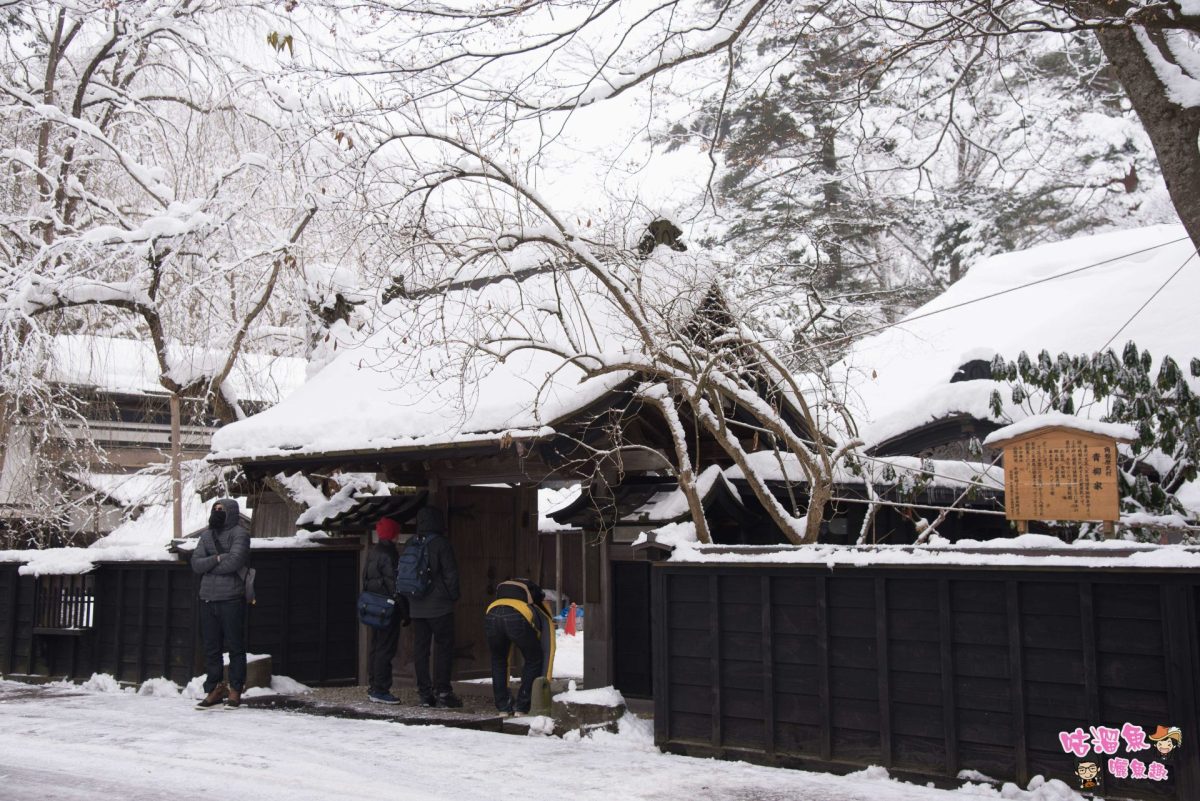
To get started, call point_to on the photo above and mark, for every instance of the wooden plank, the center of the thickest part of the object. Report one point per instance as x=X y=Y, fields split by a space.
x=946 y=632
x=660 y=580
x=823 y=684
x=13 y=586
x=286 y=601
x=714 y=620
x=768 y=666
x=143 y=622
x=31 y=594
x=882 y=670
x=1179 y=636
x=119 y=623
x=165 y=665
x=323 y=625
x=1087 y=629
x=1017 y=683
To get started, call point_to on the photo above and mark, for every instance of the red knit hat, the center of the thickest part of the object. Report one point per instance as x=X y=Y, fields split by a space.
x=387 y=528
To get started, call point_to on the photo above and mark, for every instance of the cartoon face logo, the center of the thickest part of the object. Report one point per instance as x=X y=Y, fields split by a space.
x=1167 y=740
x=1088 y=772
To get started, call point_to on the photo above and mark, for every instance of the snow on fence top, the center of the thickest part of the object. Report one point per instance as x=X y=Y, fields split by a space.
x=1026 y=551
x=1122 y=432
x=899 y=379
x=449 y=368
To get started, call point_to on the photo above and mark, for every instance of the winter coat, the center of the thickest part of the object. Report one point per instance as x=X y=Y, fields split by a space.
x=219 y=577
x=509 y=589
x=444 y=592
x=379 y=575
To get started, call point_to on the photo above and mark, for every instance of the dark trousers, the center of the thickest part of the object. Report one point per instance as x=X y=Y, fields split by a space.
x=504 y=628
x=223 y=628
x=439 y=630
x=383 y=648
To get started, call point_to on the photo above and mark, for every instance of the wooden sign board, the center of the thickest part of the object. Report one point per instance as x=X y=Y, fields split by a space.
x=1061 y=474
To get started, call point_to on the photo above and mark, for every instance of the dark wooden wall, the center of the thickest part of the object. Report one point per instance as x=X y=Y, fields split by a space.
x=145 y=623
x=927 y=672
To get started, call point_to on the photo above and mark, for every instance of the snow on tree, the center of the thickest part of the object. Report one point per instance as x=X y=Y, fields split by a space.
x=693 y=356
x=159 y=183
x=1161 y=404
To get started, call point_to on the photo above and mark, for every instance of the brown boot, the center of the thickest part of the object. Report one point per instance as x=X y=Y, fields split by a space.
x=214 y=698
x=234 y=700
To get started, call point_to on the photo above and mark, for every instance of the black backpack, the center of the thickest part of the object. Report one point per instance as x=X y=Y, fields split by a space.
x=414 y=575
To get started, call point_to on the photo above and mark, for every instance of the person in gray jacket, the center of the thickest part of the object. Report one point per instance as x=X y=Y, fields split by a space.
x=220 y=559
x=433 y=615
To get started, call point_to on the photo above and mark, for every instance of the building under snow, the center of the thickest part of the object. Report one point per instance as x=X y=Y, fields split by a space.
x=82 y=478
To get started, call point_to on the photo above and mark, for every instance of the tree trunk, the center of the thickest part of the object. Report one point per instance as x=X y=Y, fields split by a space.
x=1172 y=129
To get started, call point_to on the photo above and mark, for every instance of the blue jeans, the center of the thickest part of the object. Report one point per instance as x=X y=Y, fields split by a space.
x=505 y=627
x=223 y=627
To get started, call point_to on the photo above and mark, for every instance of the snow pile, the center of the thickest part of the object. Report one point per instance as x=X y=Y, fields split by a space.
x=280 y=685
x=601 y=696
x=568 y=655
x=1037 y=422
x=1039 y=790
x=632 y=733
x=899 y=379
x=285 y=685
x=539 y=726
x=160 y=688
x=101 y=683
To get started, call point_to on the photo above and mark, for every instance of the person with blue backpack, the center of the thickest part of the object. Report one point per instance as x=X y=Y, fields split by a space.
x=427 y=574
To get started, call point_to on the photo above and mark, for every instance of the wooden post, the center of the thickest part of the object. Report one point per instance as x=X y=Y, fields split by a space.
x=558 y=577
x=176 y=474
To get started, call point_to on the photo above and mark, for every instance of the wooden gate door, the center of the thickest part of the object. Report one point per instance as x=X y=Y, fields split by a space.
x=491 y=531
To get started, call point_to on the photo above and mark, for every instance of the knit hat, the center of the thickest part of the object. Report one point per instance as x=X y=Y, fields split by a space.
x=387 y=528
x=429 y=520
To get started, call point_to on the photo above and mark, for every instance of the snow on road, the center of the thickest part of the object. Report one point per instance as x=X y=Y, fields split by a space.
x=58 y=744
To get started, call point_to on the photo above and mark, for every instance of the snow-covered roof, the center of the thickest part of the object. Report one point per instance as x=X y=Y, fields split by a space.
x=551 y=500
x=420 y=379
x=899 y=379
x=120 y=365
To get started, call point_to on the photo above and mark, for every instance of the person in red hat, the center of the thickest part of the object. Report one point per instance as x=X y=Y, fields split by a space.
x=379 y=576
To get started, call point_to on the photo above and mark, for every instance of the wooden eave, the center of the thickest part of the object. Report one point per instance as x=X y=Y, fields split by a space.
x=942 y=431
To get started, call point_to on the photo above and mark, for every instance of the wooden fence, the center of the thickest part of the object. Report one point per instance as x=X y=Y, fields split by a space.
x=137 y=621
x=927 y=672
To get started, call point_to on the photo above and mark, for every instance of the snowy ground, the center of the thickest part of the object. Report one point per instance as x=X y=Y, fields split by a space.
x=59 y=743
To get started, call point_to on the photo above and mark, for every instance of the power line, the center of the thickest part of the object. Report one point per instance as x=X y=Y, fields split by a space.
x=1142 y=308
x=996 y=294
